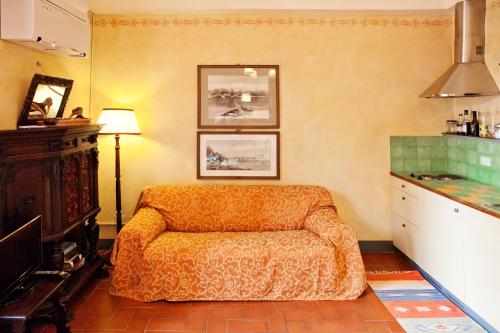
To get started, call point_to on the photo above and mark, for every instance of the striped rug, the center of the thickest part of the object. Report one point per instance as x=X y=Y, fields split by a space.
x=417 y=305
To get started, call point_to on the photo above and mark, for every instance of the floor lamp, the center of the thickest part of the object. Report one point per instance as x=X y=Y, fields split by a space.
x=118 y=121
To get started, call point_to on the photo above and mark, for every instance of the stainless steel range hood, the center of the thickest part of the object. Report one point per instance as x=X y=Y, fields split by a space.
x=469 y=75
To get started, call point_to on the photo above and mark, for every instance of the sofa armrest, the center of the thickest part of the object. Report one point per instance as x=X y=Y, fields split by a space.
x=326 y=224
x=131 y=241
x=128 y=249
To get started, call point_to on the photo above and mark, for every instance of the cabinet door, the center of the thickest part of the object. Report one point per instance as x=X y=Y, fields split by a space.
x=441 y=243
x=482 y=264
x=28 y=195
x=71 y=190
x=405 y=236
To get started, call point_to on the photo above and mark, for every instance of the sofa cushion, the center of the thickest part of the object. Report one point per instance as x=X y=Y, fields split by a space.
x=240 y=265
x=204 y=208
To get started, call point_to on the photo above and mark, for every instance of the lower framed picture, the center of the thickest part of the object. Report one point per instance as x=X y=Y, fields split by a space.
x=241 y=155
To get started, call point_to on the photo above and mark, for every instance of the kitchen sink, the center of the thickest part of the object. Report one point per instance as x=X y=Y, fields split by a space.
x=443 y=176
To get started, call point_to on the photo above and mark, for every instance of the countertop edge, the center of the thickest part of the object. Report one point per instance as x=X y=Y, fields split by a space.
x=463 y=202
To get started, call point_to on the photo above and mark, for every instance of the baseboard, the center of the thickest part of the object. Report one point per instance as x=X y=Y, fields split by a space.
x=477 y=318
x=376 y=246
x=107 y=231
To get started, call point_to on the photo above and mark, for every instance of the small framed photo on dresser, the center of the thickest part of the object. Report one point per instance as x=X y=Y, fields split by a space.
x=240 y=155
x=238 y=96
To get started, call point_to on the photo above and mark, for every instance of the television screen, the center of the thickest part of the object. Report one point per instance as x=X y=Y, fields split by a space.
x=20 y=254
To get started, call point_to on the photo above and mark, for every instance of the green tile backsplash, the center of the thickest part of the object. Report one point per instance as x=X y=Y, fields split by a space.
x=418 y=154
x=446 y=154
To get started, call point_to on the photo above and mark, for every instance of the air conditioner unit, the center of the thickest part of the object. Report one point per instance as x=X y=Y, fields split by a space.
x=51 y=26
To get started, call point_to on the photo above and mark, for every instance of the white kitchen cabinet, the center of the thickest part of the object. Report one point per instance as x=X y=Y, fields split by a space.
x=405 y=236
x=405 y=205
x=406 y=218
x=482 y=264
x=406 y=187
x=441 y=228
x=455 y=244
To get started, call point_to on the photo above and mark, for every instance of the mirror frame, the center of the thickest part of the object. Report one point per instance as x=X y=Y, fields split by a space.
x=48 y=80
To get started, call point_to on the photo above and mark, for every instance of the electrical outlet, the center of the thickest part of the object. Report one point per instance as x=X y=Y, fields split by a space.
x=485 y=161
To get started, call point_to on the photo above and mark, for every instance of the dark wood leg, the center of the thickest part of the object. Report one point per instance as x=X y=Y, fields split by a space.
x=57 y=255
x=61 y=316
x=92 y=230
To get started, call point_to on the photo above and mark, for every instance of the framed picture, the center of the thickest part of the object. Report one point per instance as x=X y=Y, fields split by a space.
x=249 y=155
x=46 y=99
x=238 y=96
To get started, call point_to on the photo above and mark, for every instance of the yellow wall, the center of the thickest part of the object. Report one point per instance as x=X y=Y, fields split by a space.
x=17 y=66
x=345 y=88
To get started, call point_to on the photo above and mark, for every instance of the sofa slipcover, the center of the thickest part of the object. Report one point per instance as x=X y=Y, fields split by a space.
x=237 y=242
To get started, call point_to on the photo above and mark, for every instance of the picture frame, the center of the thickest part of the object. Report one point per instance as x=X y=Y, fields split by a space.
x=238 y=155
x=46 y=100
x=238 y=97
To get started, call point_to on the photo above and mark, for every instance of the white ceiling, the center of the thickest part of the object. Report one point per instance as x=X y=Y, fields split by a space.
x=151 y=6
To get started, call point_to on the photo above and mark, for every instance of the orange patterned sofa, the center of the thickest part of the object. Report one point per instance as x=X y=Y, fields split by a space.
x=237 y=242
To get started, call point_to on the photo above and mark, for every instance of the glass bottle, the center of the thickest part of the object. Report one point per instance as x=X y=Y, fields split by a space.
x=483 y=128
x=460 y=124
x=474 y=125
x=491 y=127
x=466 y=123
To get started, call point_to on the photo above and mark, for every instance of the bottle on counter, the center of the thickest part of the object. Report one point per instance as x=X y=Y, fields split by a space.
x=451 y=126
x=466 y=123
x=491 y=127
x=497 y=131
x=483 y=127
x=474 y=125
x=460 y=124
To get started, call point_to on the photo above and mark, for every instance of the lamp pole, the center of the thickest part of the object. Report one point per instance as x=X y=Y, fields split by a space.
x=118 y=185
x=118 y=121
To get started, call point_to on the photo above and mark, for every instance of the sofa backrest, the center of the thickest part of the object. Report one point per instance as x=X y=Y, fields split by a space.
x=206 y=208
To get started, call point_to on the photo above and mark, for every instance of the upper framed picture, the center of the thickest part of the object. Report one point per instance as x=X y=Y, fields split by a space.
x=46 y=99
x=250 y=155
x=238 y=96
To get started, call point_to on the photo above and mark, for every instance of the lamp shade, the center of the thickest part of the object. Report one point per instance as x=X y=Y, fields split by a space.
x=118 y=121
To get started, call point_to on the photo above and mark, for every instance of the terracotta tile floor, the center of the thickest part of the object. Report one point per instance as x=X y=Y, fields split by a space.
x=97 y=312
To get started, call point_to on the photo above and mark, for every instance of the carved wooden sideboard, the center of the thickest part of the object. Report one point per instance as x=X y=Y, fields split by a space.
x=51 y=171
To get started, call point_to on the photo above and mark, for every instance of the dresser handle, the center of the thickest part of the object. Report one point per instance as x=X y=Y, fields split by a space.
x=456 y=210
x=29 y=199
x=404 y=225
x=403 y=198
x=403 y=185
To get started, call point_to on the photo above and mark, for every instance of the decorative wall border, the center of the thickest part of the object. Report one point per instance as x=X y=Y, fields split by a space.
x=299 y=21
x=494 y=5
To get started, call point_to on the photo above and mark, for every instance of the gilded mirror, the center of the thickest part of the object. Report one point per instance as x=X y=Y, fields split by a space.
x=46 y=100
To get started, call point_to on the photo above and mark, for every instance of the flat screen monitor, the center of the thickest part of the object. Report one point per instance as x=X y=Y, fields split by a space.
x=20 y=256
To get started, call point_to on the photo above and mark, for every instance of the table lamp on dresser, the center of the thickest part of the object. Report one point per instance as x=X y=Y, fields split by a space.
x=118 y=121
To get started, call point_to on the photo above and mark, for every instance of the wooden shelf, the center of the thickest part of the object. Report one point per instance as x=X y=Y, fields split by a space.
x=78 y=280
x=476 y=138
x=45 y=288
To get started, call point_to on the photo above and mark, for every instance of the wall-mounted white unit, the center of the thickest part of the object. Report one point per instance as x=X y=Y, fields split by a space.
x=51 y=26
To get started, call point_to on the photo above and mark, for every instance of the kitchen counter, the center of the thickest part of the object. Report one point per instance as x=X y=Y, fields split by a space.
x=479 y=196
